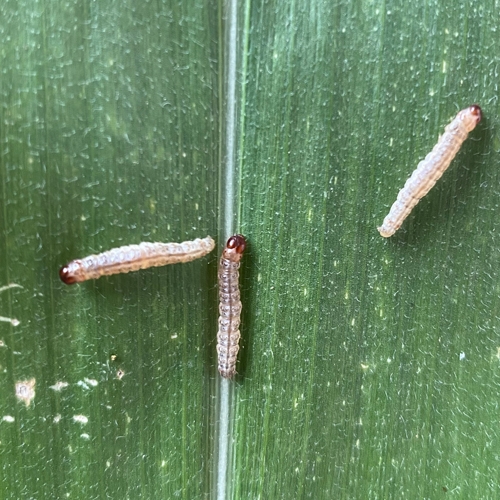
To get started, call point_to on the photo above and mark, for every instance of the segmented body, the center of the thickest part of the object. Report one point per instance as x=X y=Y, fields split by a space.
x=228 y=335
x=134 y=257
x=431 y=168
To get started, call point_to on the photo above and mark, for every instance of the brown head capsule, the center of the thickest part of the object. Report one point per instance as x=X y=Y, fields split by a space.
x=476 y=112
x=228 y=335
x=234 y=248
x=70 y=273
x=431 y=168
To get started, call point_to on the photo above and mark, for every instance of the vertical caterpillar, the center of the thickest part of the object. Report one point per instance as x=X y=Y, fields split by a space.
x=134 y=257
x=228 y=335
x=431 y=168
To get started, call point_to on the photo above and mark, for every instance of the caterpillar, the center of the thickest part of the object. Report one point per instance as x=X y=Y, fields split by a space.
x=431 y=168
x=228 y=335
x=134 y=257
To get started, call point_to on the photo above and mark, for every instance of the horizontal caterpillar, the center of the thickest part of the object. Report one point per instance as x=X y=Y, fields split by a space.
x=228 y=335
x=431 y=168
x=134 y=257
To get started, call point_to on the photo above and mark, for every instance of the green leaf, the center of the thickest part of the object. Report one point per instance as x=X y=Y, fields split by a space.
x=368 y=367
x=109 y=137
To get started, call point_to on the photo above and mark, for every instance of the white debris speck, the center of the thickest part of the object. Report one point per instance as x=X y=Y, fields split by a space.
x=25 y=390
x=58 y=386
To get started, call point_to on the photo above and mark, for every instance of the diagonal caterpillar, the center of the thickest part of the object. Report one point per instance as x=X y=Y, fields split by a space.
x=431 y=168
x=228 y=335
x=134 y=257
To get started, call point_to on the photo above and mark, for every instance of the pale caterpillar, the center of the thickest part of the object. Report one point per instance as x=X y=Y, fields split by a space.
x=431 y=168
x=134 y=257
x=228 y=335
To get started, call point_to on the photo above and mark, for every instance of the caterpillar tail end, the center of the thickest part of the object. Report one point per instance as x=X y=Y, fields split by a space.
x=227 y=373
x=385 y=233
